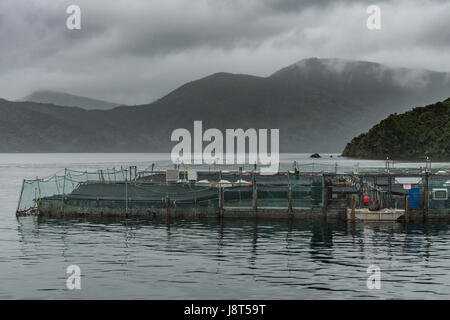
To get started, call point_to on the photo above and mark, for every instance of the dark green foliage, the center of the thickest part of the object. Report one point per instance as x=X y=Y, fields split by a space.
x=424 y=131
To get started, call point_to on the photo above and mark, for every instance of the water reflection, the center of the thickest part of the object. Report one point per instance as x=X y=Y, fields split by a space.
x=252 y=258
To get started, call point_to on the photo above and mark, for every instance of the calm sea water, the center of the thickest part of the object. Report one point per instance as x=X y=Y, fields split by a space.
x=204 y=259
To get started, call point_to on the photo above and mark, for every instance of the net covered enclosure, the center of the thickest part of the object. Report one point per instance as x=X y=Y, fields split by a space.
x=124 y=191
x=65 y=183
x=277 y=191
x=129 y=191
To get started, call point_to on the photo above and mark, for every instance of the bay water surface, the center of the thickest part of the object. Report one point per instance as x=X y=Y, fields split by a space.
x=209 y=259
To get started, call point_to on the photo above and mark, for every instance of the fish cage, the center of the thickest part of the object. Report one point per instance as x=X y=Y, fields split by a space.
x=60 y=185
x=129 y=192
x=278 y=191
x=425 y=192
x=210 y=193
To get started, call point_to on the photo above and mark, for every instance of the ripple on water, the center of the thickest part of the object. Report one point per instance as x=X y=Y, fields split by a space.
x=208 y=260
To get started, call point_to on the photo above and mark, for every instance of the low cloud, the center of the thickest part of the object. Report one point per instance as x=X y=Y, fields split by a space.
x=134 y=51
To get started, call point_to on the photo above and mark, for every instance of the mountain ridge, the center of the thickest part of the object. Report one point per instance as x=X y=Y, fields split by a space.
x=318 y=108
x=68 y=100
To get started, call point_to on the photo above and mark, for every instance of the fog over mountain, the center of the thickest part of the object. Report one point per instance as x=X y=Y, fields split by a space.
x=134 y=52
x=68 y=100
x=318 y=104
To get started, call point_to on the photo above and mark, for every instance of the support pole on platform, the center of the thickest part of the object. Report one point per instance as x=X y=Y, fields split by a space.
x=290 y=209
x=426 y=196
x=126 y=197
x=255 y=200
x=63 y=192
x=168 y=207
x=390 y=191
x=20 y=198
x=406 y=209
x=221 y=202
x=324 y=197
x=353 y=209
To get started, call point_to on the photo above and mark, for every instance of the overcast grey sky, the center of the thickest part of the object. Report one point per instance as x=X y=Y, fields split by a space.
x=135 y=51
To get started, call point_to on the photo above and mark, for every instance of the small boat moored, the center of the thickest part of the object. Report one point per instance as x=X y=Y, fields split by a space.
x=364 y=214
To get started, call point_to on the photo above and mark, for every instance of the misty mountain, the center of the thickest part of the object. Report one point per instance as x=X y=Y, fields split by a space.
x=68 y=100
x=318 y=104
x=37 y=127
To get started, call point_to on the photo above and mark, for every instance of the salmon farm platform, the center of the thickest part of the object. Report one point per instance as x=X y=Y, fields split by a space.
x=173 y=193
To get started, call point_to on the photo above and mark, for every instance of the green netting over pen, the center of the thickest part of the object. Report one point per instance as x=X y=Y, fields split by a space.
x=125 y=188
x=66 y=183
x=274 y=191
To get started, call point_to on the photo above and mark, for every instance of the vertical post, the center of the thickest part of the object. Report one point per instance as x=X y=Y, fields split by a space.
x=195 y=201
x=324 y=198
x=381 y=199
x=126 y=197
x=64 y=190
x=353 y=208
x=375 y=188
x=390 y=190
x=35 y=193
x=39 y=187
x=290 y=209
x=255 y=199
x=360 y=199
x=406 y=208
x=40 y=196
x=168 y=207
x=20 y=198
x=221 y=202
x=426 y=194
